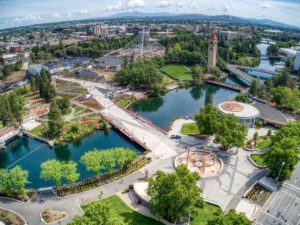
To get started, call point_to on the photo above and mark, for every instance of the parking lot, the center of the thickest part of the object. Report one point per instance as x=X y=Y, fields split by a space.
x=283 y=207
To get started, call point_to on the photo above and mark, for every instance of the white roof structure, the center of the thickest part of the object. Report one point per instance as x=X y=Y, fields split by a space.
x=241 y=110
x=140 y=189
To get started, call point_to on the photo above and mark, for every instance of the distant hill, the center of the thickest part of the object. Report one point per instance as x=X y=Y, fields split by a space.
x=202 y=17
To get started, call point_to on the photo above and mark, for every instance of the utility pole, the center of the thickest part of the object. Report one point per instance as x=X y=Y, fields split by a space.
x=143 y=38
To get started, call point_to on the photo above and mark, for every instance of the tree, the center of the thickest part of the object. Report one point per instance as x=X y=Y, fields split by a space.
x=91 y=160
x=55 y=170
x=43 y=83
x=18 y=179
x=98 y=160
x=269 y=134
x=230 y=133
x=215 y=72
x=55 y=121
x=282 y=158
x=255 y=136
x=255 y=88
x=242 y=98
x=231 y=218
x=63 y=104
x=174 y=195
x=13 y=181
x=290 y=130
x=208 y=120
x=198 y=75
x=99 y=213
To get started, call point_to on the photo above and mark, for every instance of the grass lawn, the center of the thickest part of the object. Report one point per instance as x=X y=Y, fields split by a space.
x=259 y=159
x=189 y=128
x=79 y=110
x=179 y=72
x=205 y=214
x=130 y=217
x=38 y=131
x=263 y=144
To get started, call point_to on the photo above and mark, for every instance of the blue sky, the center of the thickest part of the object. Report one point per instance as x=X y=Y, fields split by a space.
x=26 y=12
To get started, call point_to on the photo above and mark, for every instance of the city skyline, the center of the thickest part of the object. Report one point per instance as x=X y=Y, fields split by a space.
x=15 y=13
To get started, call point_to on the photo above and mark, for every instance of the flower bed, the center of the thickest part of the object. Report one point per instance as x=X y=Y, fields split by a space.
x=51 y=216
x=10 y=218
x=262 y=143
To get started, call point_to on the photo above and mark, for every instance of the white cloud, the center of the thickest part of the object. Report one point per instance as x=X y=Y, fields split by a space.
x=115 y=7
x=226 y=8
x=181 y=4
x=131 y=4
x=69 y=14
x=164 y=3
x=56 y=15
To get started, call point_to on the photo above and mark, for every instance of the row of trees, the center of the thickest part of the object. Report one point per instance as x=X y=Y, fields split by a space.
x=273 y=49
x=12 y=107
x=93 y=49
x=226 y=128
x=97 y=161
x=143 y=75
x=105 y=160
x=42 y=83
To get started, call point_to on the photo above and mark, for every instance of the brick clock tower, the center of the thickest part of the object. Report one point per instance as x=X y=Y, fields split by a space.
x=212 y=50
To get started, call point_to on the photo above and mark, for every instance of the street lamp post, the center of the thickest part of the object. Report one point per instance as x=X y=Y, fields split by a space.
x=282 y=164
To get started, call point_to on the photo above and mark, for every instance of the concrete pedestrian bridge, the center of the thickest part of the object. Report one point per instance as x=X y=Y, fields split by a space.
x=132 y=125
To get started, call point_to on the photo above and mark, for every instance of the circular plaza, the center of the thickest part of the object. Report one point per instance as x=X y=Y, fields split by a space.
x=246 y=113
x=206 y=163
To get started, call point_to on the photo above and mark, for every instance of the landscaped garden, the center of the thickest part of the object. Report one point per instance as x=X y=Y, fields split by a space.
x=259 y=159
x=259 y=143
x=179 y=72
x=189 y=128
x=51 y=216
x=10 y=218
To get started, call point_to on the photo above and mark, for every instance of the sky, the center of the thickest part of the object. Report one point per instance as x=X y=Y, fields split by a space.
x=26 y=12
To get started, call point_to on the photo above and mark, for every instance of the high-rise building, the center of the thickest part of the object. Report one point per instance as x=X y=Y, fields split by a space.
x=212 y=50
x=100 y=30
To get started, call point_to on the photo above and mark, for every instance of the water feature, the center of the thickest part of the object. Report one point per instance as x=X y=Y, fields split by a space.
x=182 y=102
x=29 y=153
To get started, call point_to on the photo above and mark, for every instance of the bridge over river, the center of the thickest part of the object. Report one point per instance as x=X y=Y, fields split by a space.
x=138 y=129
x=246 y=78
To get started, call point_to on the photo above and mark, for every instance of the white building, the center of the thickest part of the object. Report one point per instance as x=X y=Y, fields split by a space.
x=10 y=58
x=246 y=113
x=297 y=61
x=288 y=52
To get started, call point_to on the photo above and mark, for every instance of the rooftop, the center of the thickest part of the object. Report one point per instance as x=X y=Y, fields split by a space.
x=239 y=109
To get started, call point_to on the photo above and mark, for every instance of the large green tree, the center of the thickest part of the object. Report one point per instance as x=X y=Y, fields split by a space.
x=282 y=158
x=98 y=160
x=56 y=170
x=13 y=181
x=174 y=195
x=98 y=213
x=230 y=132
x=208 y=119
x=141 y=74
x=230 y=218
x=55 y=121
